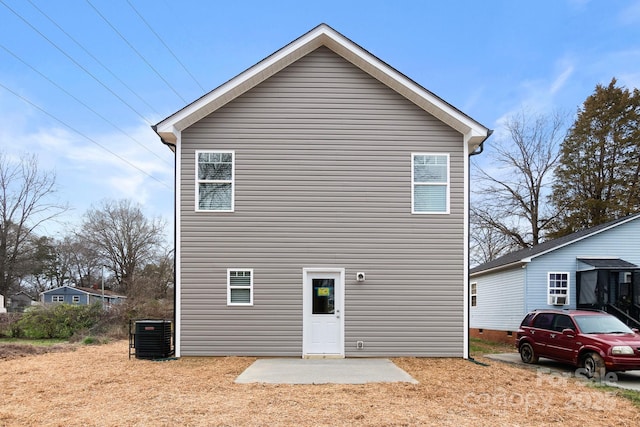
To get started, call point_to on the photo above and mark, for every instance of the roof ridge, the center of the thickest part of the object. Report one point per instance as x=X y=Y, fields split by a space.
x=550 y=245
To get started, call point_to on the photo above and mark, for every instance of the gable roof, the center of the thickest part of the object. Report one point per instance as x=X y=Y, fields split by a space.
x=21 y=294
x=322 y=35
x=90 y=291
x=526 y=255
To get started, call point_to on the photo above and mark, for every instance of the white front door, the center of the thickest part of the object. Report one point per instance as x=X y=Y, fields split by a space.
x=323 y=311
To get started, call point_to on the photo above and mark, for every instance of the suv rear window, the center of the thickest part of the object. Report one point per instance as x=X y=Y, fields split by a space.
x=527 y=319
x=543 y=321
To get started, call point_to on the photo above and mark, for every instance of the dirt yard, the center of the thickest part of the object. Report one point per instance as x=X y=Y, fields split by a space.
x=100 y=386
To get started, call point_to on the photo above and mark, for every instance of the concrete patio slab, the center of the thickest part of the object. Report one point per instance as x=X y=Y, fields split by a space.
x=323 y=371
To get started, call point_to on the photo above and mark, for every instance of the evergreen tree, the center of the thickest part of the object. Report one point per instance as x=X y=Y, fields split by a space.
x=597 y=179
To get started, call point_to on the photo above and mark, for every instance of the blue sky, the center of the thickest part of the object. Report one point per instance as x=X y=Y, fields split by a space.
x=84 y=104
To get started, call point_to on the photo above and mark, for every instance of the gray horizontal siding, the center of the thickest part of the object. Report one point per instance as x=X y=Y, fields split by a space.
x=323 y=171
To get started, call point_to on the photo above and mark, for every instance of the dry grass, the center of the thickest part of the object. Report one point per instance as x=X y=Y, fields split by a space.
x=99 y=385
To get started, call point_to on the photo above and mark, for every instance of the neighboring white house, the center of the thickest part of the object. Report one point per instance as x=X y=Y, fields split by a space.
x=595 y=269
x=2 y=307
x=321 y=210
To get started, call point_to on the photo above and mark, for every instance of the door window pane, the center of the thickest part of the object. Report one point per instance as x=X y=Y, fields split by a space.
x=323 y=296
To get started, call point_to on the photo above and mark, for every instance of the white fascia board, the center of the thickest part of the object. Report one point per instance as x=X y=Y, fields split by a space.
x=241 y=83
x=516 y=264
x=323 y=35
x=474 y=133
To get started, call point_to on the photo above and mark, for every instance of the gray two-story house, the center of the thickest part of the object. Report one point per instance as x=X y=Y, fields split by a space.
x=321 y=210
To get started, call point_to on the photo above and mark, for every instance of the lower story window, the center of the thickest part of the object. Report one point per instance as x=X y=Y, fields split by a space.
x=57 y=298
x=474 y=294
x=558 y=289
x=240 y=287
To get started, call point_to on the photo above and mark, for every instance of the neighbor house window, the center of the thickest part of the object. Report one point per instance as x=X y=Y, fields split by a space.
x=57 y=298
x=76 y=299
x=558 y=289
x=239 y=287
x=215 y=180
x=474 y=294
x=430 y=183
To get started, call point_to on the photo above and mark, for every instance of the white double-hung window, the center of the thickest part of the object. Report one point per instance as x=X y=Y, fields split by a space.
x=215 y=173
x=558 y=288
x=240 y=286
x=429 y=183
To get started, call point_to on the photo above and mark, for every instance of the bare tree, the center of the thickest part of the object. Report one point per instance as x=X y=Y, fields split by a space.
x=26 y=195
x=487 y=242
x=124 y=238
x=514 y=183
x=85 y=264
x=155 y=281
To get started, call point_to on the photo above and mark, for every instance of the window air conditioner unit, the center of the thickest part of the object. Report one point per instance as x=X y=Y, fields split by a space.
x=558 y=299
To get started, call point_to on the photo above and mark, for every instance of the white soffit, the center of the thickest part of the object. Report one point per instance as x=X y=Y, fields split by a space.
x=322 y=35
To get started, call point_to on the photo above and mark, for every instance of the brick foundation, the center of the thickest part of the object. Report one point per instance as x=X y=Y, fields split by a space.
x=507 y=337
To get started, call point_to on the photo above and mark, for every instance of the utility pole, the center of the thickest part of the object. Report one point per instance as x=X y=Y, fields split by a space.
x=103 y=286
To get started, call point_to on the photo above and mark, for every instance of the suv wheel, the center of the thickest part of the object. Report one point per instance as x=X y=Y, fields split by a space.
x=592 y=364
x=527 y=354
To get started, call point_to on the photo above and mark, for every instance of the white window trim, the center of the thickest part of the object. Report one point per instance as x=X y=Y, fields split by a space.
x=232 y=182
x=448 y=184
x=473 y=294
x=549 y=296
x=229 y=288
x=57 y=298
x=75 y=299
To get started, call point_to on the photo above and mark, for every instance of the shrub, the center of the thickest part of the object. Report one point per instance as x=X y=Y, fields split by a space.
x=59 y=320
x=9 y=325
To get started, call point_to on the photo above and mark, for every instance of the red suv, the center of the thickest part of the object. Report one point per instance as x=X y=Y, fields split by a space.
x=593 y=340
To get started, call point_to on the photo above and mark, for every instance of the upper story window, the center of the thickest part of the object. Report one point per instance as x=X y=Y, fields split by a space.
x=429 y=183
x=57 y=298
x=215 y=180
x=76 y=299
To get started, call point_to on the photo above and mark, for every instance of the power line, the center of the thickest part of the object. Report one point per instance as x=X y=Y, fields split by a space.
x=83 y=135
x=76 y=62
x=165 y=45
x=93 y=57
x=136 y=51
x=83 y=103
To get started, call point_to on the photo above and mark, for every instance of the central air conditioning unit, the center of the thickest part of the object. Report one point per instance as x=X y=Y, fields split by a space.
x=151 y=339
x=558 y=300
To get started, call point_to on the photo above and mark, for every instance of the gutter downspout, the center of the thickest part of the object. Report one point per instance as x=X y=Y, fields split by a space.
x=478 y=151
x=172 y=147
x=175 y=237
